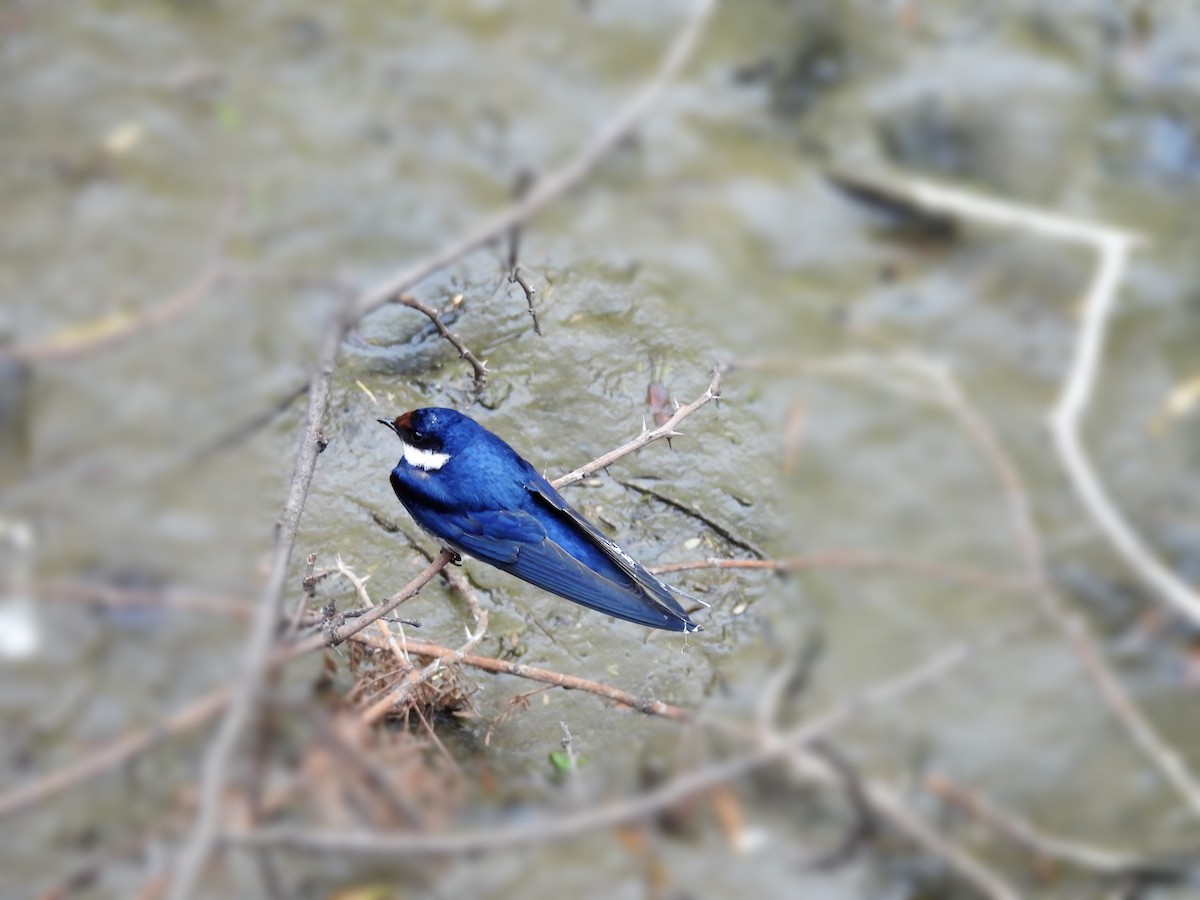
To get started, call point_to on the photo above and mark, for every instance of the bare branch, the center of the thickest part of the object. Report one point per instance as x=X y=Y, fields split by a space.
x=355 y=625
x=518 y=277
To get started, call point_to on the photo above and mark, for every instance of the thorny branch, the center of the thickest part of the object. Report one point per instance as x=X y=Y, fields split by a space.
x=666 y=430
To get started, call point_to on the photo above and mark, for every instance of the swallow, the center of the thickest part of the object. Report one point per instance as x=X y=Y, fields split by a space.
x=478 y=496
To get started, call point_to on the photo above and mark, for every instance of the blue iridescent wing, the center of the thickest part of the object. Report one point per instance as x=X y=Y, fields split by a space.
x=517 y=542
x=653 y=590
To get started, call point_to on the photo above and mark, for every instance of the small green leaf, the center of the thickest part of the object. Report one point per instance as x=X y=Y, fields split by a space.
x=562 y=761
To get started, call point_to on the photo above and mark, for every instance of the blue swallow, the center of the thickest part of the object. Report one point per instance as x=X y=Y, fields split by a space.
x=473 y=492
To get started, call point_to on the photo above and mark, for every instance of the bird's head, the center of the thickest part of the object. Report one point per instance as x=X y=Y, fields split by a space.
x=431 y=436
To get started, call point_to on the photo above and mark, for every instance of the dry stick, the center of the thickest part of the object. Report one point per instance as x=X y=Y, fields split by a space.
x=1065 y=424
x=519 y=278
x=109 y=333
x=480 y=368
x=524 y=181
x=1112 y=246
x=357 y=624
x=200 y=843
x=364 y=598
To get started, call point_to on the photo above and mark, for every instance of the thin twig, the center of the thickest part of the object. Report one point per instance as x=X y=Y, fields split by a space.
x=518 y=277
x=647 y=705
x=364 y=598
x=1065 y=424
x=721 y=530
x=479 y=368
x=357 y=624
x=521 y=187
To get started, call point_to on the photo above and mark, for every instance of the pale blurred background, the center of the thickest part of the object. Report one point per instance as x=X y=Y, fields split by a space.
x=144 y=460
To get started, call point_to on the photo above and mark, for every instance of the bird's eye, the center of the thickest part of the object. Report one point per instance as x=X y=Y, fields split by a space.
x=422 y=440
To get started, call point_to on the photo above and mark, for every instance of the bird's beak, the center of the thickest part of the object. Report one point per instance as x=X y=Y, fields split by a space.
x=391 y=425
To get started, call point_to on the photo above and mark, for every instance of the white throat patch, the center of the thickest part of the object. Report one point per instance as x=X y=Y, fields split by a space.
x=427 y=460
